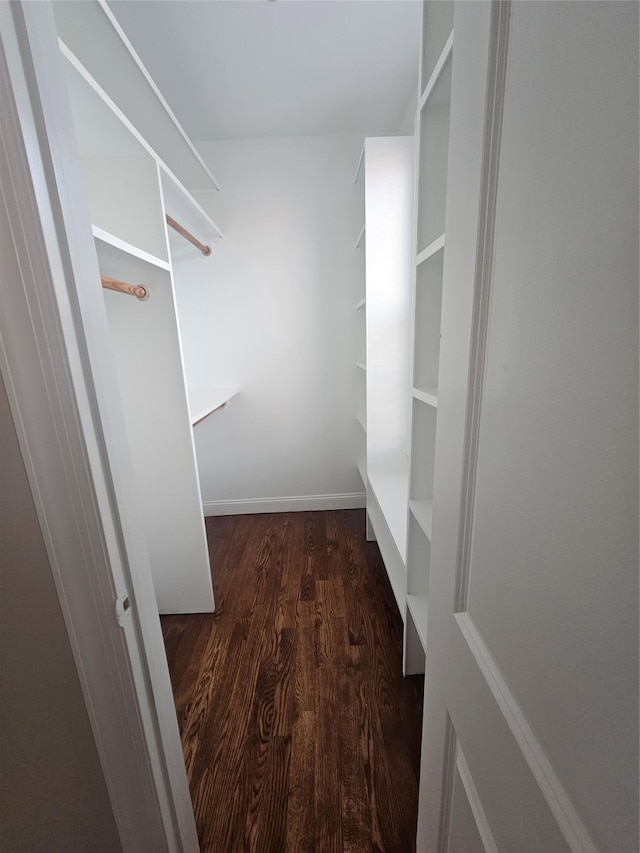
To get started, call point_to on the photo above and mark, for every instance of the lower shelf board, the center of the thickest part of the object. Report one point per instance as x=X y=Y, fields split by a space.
x=389 y=479
x=422 y=511
x=428 y=395
x=205 y=401
x=362 y=470
x=418 y=606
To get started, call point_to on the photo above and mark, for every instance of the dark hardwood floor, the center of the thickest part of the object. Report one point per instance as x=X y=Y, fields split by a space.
x=298 y=729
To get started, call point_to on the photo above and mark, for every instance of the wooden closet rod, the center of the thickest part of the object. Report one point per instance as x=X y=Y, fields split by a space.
x=138 y=290
x=206 y=250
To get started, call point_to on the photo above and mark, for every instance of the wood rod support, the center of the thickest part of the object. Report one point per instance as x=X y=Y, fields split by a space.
x=206 y=250
x=138 y=290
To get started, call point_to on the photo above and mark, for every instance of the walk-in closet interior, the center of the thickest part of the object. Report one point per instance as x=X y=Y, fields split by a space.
x=266 y=367
x=372 y=268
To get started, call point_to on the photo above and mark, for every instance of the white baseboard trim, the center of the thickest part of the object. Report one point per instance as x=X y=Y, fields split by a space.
x=355 y=500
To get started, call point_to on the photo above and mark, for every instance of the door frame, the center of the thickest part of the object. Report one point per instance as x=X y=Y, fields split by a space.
x=65 y=404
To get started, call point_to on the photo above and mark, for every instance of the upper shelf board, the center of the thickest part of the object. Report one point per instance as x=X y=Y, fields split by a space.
x=437 y=71
x=92 y=34
x=181 y=206
x=103 y=131
x=205 y=401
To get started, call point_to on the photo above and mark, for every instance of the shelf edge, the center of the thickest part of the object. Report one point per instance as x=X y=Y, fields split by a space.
x=437 y=71
x=431 y=250
x=128 y=248
x=426 y=395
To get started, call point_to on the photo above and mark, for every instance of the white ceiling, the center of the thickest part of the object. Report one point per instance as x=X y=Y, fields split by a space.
x=251 y=68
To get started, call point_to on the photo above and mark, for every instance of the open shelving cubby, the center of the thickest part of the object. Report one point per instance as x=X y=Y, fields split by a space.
x=432 y=128
x=389 y=178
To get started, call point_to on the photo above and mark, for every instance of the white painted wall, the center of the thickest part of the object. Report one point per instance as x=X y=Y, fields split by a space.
x=53 y=795
x=272 y=313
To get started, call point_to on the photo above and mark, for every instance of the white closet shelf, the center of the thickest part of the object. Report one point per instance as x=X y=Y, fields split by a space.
x=362 y=470
x=418 y=606
x=361 y=421
x=121 y=74
x=427 y=395
x=111 y=249
x=361 y=303
x=422 y=511
x=360 y=236
x=431 y=250
x=361 y=365
x=178 y=201
x=181 y=206
x=437 y=71
x=359 y=167
x=204 y=401
x=389 y=479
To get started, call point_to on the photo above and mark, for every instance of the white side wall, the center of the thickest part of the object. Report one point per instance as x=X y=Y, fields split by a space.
x=272 y=313
x=53 y=794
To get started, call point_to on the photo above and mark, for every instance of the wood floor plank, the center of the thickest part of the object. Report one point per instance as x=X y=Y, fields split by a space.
x=301 y=811
x=299 y=732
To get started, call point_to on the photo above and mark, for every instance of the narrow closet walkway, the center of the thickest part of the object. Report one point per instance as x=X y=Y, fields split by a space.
x=299 y=731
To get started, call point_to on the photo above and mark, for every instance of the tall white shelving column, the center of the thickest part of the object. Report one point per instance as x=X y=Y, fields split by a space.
x=361 y=330
x=389 y=205
x=432 y=140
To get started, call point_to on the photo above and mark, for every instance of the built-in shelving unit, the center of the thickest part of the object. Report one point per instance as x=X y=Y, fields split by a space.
x=137 y=164
x=389 y=178
x=432 y=140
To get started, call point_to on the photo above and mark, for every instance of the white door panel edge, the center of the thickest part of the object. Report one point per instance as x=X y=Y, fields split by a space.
x=68 y=420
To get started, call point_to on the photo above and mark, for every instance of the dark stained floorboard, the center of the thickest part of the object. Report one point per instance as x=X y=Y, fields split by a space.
x=299 y=732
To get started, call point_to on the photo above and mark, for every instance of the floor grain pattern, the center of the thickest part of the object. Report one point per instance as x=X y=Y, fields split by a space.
x=299 y=732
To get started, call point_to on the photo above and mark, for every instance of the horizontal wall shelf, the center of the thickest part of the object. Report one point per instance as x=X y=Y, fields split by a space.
x=359 y=167
x=431 y=249
x=361 y=304
x=361 y=365
x=362 y=470
x=389 y=479
x=437 y=71
x=123 y=250
x=181 y=206
x=360 y=236
x=418 y=606
x=205 y=401
x=427 y=395
x=121 y=74
x=422 y=511
x=361 y=421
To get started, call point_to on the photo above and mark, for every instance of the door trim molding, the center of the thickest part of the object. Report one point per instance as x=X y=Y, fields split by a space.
x=496 y=82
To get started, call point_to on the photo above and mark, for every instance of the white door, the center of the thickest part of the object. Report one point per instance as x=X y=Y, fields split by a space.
x=530 y=738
